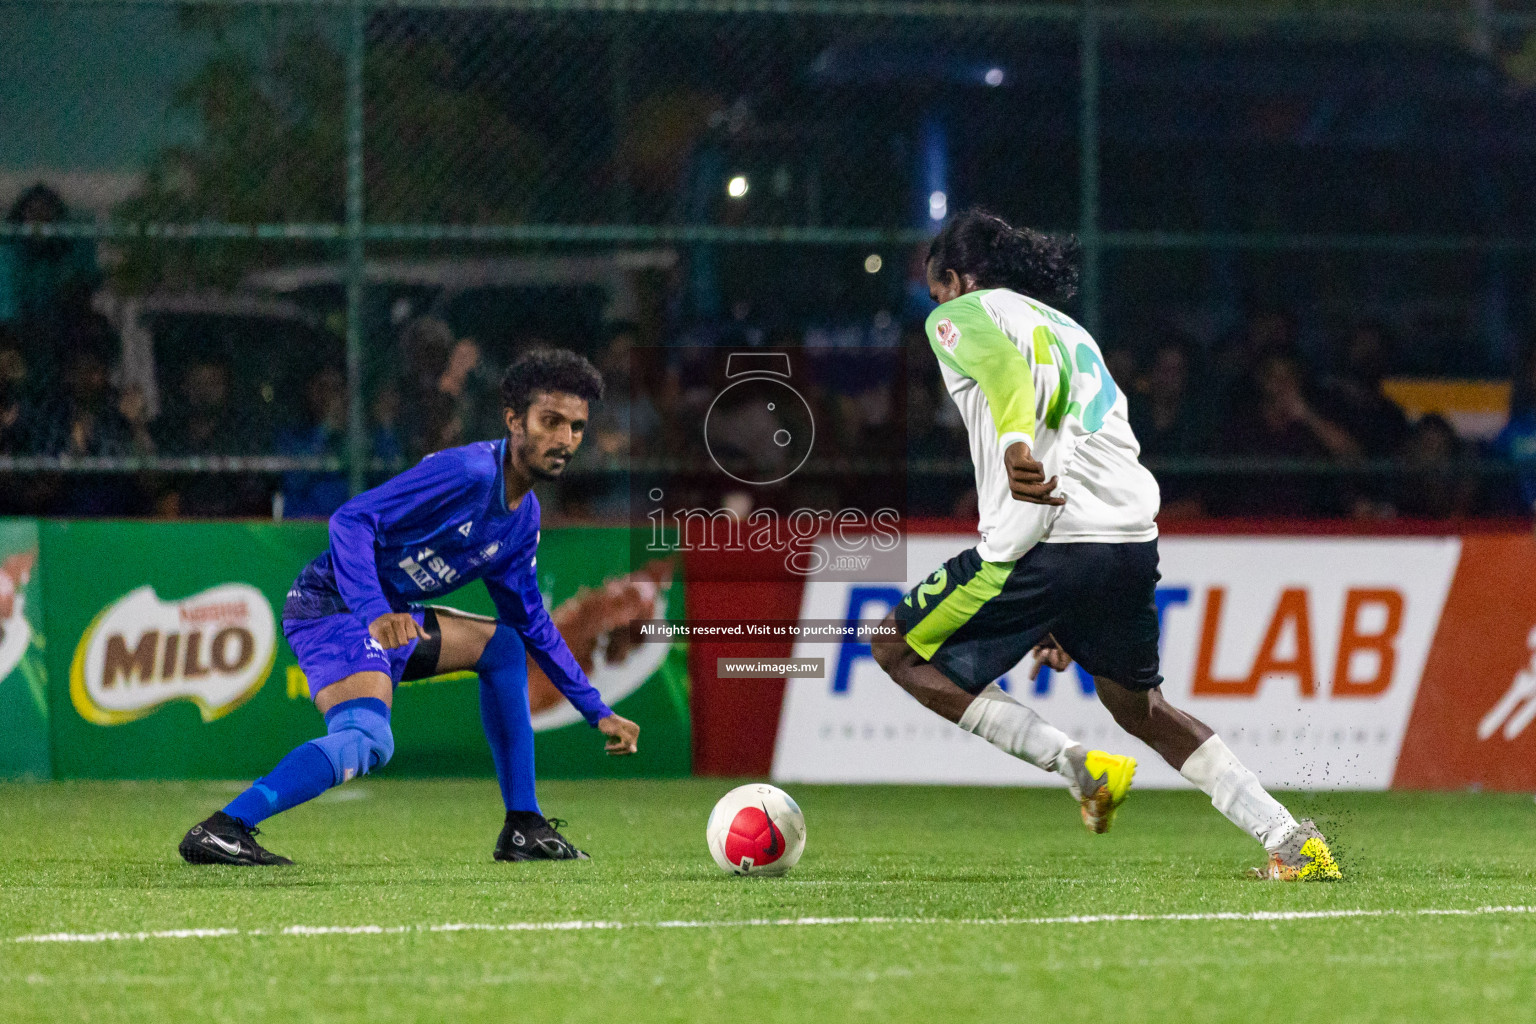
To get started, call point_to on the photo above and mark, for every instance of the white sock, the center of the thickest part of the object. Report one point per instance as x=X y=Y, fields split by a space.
x=1010 y=726
x=1235 y=792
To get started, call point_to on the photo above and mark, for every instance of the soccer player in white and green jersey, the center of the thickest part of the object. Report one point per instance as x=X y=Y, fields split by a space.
x=1067 y=564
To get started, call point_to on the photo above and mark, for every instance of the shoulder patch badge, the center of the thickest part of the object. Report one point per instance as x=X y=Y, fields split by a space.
x=948 y=334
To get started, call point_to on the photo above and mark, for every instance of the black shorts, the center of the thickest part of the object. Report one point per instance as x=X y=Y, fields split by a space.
x=975 y=620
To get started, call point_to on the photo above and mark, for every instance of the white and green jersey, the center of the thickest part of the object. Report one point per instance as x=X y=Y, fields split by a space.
x=1020 y=371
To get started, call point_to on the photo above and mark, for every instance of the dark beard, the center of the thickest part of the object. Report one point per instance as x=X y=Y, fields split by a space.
x=525 y=454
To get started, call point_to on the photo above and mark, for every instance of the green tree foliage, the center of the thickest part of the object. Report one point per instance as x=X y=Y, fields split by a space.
x=273 y=151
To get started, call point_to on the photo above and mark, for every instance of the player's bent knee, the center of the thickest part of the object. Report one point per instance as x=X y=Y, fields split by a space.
x=504 y=649
x=358 y=738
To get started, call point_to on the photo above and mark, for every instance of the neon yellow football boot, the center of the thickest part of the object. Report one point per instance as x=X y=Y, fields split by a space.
x=1303 y=857
x=1100 y=782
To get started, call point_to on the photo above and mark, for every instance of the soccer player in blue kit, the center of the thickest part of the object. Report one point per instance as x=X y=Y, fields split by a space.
x=353 y=620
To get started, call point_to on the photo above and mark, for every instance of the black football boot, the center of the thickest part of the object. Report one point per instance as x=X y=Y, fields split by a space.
x=225 y=840
x=530 y=836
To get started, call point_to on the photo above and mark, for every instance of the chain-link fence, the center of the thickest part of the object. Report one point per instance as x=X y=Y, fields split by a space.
x=258 y=254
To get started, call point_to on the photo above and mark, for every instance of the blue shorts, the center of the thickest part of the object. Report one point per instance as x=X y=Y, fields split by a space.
x=335 y=646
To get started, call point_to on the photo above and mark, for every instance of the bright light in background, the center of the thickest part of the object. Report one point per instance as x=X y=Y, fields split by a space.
x=994 y=76
x=932 y=170
x=873 y=263
x=737 y=186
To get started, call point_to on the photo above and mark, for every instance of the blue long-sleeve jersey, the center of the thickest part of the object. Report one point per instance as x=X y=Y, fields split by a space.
x=429 y=531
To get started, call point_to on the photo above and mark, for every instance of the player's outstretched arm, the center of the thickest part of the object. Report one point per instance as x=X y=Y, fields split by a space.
x=520 y=606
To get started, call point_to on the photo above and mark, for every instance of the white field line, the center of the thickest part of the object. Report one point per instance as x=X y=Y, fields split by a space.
x=767 y=922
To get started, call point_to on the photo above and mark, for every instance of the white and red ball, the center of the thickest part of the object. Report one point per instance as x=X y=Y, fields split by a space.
x=756 y=829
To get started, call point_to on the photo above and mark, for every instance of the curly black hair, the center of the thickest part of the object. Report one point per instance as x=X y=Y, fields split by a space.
x=999 y=255
x=549 y=370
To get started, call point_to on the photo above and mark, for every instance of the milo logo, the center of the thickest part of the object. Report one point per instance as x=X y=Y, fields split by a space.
x=214 y=649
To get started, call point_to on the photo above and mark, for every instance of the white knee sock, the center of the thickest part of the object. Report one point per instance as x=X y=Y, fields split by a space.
x=1235 y=792
x=1009 y=725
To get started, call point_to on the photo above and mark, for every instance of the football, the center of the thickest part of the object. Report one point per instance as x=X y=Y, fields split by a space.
x=756 y=829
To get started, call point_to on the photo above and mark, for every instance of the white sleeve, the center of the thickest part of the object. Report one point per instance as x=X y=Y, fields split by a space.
x=1024 y=524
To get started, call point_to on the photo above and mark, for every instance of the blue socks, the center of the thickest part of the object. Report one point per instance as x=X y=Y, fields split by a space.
x=357 y=740
x=503 y=670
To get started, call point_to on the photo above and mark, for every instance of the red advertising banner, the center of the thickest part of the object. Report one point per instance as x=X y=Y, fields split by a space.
x=1472 y=721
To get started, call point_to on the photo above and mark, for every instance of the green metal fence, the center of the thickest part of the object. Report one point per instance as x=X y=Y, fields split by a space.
x=349 y=138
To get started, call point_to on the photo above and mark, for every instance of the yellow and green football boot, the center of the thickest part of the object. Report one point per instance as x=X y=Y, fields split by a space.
x=1100 y=782
x=1303 y=857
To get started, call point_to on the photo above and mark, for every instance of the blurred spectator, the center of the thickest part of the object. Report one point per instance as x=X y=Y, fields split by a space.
x=1163 y=413
x=38 y=275
x=1517 y=440
x=438 y=374
x=311 y=495
x=1168 y=424
x=1121 y=364
x=1353 y=397
x=89 y=418
x=386 y=440
x=202 y=421
x=1434 y=482
x=45 y=283
x=16 y=415
x=1236 y=364
x=1281 y=424
x=625 y=422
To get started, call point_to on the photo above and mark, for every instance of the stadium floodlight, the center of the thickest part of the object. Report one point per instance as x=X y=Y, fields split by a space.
x=737 y=186
x=873 y=263
x=938 y=205
x=993 y=77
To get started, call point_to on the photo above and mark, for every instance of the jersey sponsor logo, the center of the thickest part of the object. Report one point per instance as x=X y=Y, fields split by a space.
x=445 y=572
x=1517 y=708
x=214 y=649
x=429 y=570
x=417 y=573
x=948 y=334
x=466 y=527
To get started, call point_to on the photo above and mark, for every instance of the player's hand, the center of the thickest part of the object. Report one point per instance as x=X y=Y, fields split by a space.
x=623 y=735
x=1048 y=653
x=1026 y=477
x=395 y=629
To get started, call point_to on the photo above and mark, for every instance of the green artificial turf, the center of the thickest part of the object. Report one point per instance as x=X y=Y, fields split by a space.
x=88 y=858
